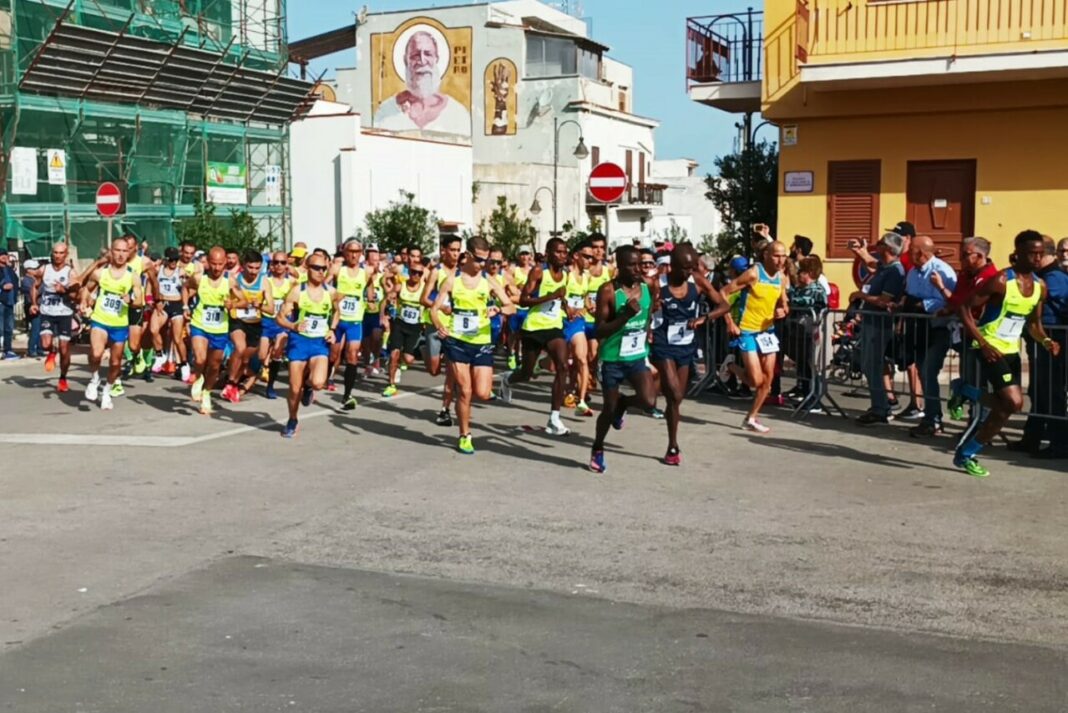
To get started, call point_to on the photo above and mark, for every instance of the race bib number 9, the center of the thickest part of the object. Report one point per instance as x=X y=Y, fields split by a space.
x=767 y=343
x=349 y=306
x=314 y=326
x=679 y=334
x=465 y=323
x=112 y=304
x=410 y=315
x=632 y=344
x=1011 y=328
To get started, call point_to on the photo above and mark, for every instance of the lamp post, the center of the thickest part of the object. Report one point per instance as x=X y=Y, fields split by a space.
x=580 y=153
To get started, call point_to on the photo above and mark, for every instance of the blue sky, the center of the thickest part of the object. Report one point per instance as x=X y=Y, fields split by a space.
x=649 y=36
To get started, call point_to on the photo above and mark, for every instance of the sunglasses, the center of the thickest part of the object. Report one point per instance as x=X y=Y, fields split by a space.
x=279 y=262
x=586 y=256
x=476 y=258
x=415 y=273
x=317 y=268
x=354 y=250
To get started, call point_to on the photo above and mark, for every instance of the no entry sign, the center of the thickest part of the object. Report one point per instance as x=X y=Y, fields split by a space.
x=608 y=182
x=108 y=200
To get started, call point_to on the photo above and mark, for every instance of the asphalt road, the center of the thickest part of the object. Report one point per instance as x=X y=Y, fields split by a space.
x=817 y=524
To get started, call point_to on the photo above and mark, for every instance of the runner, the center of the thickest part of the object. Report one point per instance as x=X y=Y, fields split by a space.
x=432 y=352
x=543 y=328
x=465 y=298
x=623 y=311
x=578 y=309
x=763 y=289
x=371 y=351
x=496 y=274
x=405 y=329
x=169 y=316
x=600 y=273
x=524 y=262
x=110 y=317
x=1013 y=301
x=216 y=294
x=351 y=281
x=310 y=337
x=273 y=336
x=135 y=359
x=55 y=303
x=246 y=328
x=674 y=350
x=187 y=262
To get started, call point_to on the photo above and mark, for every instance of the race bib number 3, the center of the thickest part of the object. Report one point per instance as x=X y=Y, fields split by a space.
x=465 y=323
x=767 y=343
x=410 y=315
x=632 y=344
x=679 y=334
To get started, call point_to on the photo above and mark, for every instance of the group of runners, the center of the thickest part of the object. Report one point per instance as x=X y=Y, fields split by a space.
x=595 y=323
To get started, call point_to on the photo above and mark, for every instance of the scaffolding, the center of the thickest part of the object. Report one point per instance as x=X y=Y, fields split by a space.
x=145 y=93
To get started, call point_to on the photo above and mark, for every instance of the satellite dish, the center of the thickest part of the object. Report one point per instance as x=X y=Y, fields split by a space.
x=544 y=103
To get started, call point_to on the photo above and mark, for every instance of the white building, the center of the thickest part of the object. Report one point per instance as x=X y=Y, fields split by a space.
x=685 y=204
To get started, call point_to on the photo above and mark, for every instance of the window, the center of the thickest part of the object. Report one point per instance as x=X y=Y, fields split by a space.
x=595 y=156
x=589 y=63
x=623 y=103
x=852 y=204
x=551 y=57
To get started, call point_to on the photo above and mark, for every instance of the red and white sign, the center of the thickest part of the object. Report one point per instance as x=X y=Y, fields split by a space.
x=108 y=200
x=608 y=182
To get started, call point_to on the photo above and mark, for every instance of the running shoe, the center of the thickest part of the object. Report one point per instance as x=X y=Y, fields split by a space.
x=231 y=394
x=673 y=457
x=597 y=464
x=105 y=402
x=206 y=406
x=403 y=367
x=754 y=425
x=306 y=396
x=870 y=418
x=556 y=429
x=970 y=465
x=139 y=364
x=198 y=389
x=50 y=362
x=956 y=413
x=570 y=401
x=443 y=418
x=148 y=376
x=291 y=428
x=169 y=368
x=117 y=389
x=583 y=410
x=63 y=387
x=512 y=365
x=389 y=391
x=912 y=413
x=465 y=445
x=506 y=388
x=92 y=391
x=11 y=356
x=158 y=364
x=185 y=373
x=618 y=423
x=724 y=371
x=655 y=413
x=265 y=373
x=350 y=404
x=330 y=386
x=271 y=393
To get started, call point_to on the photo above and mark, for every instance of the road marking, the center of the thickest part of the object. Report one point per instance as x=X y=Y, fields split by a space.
x=81 y=439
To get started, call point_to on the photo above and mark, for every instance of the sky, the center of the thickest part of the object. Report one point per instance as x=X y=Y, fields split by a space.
x=649 y=36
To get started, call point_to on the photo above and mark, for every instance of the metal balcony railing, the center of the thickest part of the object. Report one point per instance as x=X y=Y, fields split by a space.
x=725 y=48
x=645 y=194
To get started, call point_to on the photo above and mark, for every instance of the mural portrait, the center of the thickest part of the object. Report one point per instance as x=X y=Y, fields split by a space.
x=421 y=78
x=501 y=89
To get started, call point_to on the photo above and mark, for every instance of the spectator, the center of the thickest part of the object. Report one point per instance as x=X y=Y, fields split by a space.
x=9 y=294
x=905 y=230
x=807 y=299
x=976 y=268
x=31 y=278
x=1049 y=374
x=878 y=298
x=930 y=284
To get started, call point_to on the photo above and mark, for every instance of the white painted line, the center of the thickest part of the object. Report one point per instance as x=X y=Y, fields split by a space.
x=108 y=200
x=609 y=182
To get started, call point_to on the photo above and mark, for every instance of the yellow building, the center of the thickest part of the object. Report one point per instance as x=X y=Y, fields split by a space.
x=951 y=114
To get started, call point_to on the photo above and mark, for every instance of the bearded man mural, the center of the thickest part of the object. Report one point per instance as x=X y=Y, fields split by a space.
x=421 y=105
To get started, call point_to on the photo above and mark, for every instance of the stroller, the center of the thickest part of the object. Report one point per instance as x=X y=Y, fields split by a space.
x=845 y=362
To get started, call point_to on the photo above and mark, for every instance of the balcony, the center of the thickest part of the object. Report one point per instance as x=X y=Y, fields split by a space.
x=641 y=195
x=724 y=60
x=877 y=43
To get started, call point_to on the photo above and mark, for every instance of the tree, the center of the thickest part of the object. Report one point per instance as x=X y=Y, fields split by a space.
x=506 y=230
x=207 y=230
x=745 y=193
x=574 y=236
x=673 y=234
x=401 y=224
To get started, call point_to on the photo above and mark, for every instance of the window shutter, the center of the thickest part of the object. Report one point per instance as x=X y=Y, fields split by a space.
x=852 y=204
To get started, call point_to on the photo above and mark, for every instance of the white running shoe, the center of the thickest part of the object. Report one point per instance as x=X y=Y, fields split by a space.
x=752 y=424
x=157 y=365
x=105 y=401
x=557 y=429
x=92 y=391
x=724 y=371
x=185 y=372
x=506 y=388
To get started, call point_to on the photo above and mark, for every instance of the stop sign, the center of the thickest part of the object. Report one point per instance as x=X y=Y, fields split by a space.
x=108 y=199
x=608 y=182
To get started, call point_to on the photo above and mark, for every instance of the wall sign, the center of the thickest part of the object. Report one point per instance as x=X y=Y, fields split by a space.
x=798 y=182
x=789 y=135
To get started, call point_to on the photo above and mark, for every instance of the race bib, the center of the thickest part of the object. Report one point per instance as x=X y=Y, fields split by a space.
x=576 y=302
x=465 y=323
x=679 y=334
x=111 y=304
x=349 y=306
x=52 y=301
x=213 y=316
x=248 y=314
x=1011 y=328
x=315 y=325
x=550 y=309
x=410 y=315
x=632 y=344
x=169 y=288
x=767 y=343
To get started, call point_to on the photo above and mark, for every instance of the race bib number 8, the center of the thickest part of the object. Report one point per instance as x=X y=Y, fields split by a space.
x=632 y=344
x=679 y=334
x=349 y=306
x=465 y=323
x=112 y=304
x=767 y=343
x=410 y=315
x=1011 y=328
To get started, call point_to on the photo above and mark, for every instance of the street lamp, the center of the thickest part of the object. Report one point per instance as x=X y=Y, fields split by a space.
x=580 y=152
x=535 y=207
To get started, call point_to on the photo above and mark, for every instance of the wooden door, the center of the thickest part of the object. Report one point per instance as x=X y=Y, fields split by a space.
x=941 y=204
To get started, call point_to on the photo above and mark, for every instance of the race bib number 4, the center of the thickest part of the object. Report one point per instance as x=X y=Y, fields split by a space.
x=767 y=343
x=632 y=344
x=350 y=306
x=410 y=315
x=465 y=323
x=679 y=334
x=1011 y=328
x=112 y=304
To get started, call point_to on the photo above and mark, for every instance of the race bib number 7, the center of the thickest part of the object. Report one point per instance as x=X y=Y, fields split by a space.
x=1012 y=327
x=767 y=343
